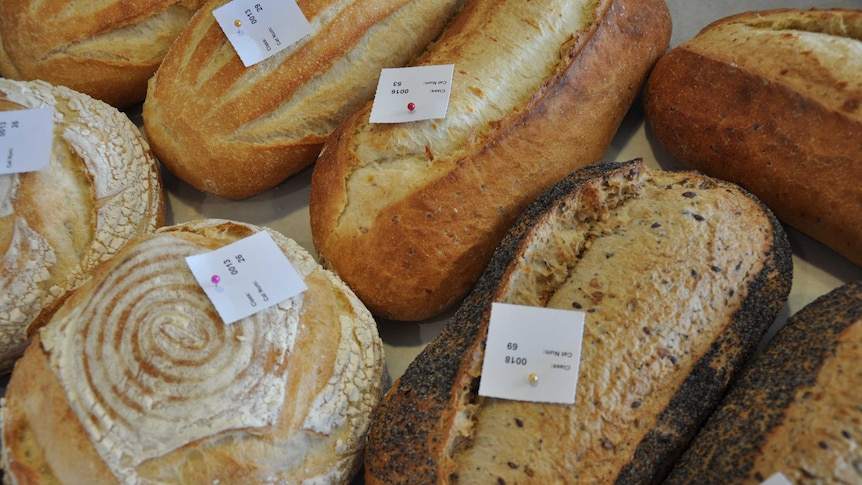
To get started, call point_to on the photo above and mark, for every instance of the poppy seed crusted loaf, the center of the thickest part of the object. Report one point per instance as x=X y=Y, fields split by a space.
x=676 y=299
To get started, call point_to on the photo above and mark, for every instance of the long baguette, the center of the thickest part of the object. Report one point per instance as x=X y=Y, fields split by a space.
x=235 y=132
x=679 y=276
x=409 y=214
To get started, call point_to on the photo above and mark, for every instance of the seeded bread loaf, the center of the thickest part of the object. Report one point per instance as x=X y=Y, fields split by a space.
x=797 y=410
x=101 y=188
x=408 y=214
x=107 y=49
x=235 y=132
x=772 y=100
x=679 y=276
x=136 y=379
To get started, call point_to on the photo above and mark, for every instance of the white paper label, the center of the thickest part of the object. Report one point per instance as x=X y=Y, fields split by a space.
x=246 y=276
x=777 y=479
x=412 y=94
x=532 y=354
x=258 y=29
x=26 y=137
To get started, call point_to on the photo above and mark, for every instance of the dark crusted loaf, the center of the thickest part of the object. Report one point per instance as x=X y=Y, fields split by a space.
x=797 y=410
x=679 y=275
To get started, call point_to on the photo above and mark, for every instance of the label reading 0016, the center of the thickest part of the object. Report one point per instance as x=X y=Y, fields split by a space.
x=416 y=93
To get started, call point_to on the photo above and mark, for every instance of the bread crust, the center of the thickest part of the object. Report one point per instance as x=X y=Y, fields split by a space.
x=431 y=411
x=432 y=211
x=107 y=49
x=101 y=189
x=235 y=132
x=750 y=100
x=153 y=345
x=806 y=383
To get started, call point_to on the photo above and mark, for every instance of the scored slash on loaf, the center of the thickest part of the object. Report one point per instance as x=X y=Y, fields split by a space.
x=408 y=214
x=235 y=132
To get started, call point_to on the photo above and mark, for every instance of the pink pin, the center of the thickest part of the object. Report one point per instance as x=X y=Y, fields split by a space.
x=411 y=106
x=215 y=279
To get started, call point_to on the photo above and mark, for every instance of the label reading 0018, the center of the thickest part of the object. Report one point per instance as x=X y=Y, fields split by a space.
x=532 y=354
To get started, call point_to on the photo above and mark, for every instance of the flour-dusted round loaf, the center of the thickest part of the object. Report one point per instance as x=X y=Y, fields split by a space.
x=772 y=100
x=107 y=49
x=236 y=131
x=797 y=410
x=102 y=188
x=678 y=275
x=408 y=214
x=136 y=379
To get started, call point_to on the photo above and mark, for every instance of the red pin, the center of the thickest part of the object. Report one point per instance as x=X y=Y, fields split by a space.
x=411 y=106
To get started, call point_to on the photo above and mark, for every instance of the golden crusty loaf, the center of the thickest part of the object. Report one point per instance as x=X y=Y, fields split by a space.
x=409 y=214
x=101 y=189
x=107 y=49
x=679 y=276
x=797 y=410
x=137 y=380
x=234 y=131
x=772 y=100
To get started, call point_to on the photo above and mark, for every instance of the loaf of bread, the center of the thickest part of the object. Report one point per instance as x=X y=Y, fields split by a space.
x=107 y=49
x=136 y=379
x=235 y=132
x=797 y=410
x=102 y=187
x=678 y=275
x=408 y=214
x=772 y=100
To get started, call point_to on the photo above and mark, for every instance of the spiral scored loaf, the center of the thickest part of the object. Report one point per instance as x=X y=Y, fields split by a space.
x=107 y=49
x=101 y=189
x=772 y=100
x=235 y=132
x=408 y=214
x=137 y=380
x=676 y=298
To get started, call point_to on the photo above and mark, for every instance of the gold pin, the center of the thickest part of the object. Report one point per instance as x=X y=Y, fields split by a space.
x=237 y=23
x=534 y=379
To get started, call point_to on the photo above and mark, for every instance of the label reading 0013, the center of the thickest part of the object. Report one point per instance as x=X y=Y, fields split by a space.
x=258 y=29
x=26 y=139
x=246 y=276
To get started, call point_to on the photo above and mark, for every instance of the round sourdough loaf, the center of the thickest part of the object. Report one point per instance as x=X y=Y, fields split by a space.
x=105 y=48
x=772 y=100
x=236 y=131
x=797 y=410
x=136 y=379
x=679 y=277
x=100 y=189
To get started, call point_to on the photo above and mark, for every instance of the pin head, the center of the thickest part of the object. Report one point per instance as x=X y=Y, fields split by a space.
x=237 y=23
x=534 y=379
x=215 y=279
x=411 y=106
